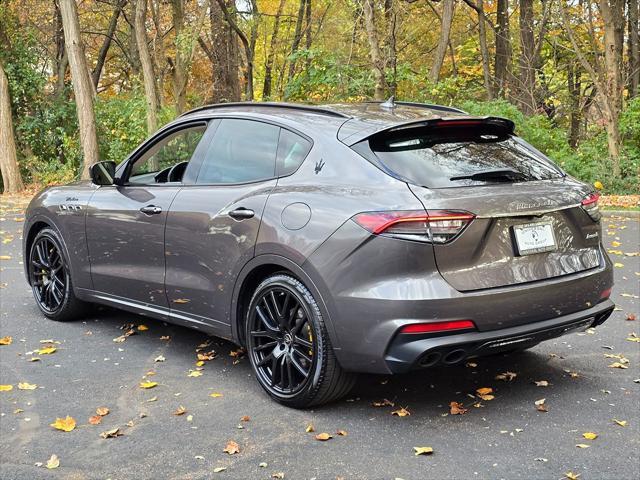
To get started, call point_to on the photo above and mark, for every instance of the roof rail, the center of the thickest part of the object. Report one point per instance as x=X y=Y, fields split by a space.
x=392 y=103
x=292 y=106
x=431 y=106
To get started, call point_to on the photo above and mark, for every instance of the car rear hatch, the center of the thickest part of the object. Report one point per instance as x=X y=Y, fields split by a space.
x=528 y=222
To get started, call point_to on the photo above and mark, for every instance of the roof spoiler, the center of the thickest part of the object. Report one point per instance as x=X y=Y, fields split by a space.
x=443 y=130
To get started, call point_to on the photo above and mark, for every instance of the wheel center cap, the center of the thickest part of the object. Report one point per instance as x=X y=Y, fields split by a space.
x=288 y=339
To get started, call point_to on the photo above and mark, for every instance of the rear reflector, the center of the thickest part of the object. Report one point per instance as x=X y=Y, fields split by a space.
x=438 y=326
x=605 y=293
x=437 y=226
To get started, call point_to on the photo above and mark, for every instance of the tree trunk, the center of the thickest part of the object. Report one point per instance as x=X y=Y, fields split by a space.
x=574 y=88
x=503 y=49
x=484 y=50
x=148 y=75
x=104 y=49
x=392 y=55
x=527 y=68
x=443 y=43
x=247 y=43
x=307 y=33
x=179 y=71
x=223 y=54
x=297 y=38
x=377 y=62
x=633 y=7
x=11 y=179
x=613 y=19
x=268 y=67
x=82 y=86
x=61 y=60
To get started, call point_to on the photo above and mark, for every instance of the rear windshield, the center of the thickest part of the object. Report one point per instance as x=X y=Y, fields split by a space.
x=453 y=163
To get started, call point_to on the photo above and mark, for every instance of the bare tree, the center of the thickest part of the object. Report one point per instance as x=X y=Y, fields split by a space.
x=82 y=86
x=390 y=16
x=607 y=77
x=633 y=49
x=484 y=50
x=222 y=51
x=106 y=44
x=377 y=61
x=526 y=70
x=443 y=42
x=297 y=38
x=268 y=66
x=148 y=75
x=502 y=63
x=11 y=179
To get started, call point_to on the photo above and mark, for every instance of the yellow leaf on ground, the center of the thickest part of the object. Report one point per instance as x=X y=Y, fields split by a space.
x=6 y=340
x=180 y=410
x=195 y=373
x=598 y=185
x=27 y=386
x=423 y=450
x=46 y=350
x=582 y=445
x=506 y=376
x=324 y=436
x=383 y=403
x=572 y=476
x=5 y=257
x=245 y=418
x=615 y=244
x=148 y=384
x=618 y=365
x=310 y=429
x=541 y=406
x=541 y=383
x=342 y=433
x=53 y=462
x=231 y=448
x=401 y=412
x=484 y=391
x=219 y=469
x=102 y=411
x=65 y=424
x=590 y=435
x=6 y=388
x=142 y=328
x=181 y=300
x=618 y=265
x=622 y=423
x=215 y=395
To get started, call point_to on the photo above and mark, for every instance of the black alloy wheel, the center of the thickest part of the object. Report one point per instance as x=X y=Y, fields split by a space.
x=48 y=275
x=282 y=340
x=289 y=347
x=50 y=278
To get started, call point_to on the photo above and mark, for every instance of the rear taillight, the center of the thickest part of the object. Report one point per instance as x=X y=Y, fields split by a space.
x=437 y=226
x=590 y=205
x=434 y=327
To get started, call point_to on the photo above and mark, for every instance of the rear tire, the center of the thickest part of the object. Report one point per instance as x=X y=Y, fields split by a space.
x=50 y=278
x=289 y=347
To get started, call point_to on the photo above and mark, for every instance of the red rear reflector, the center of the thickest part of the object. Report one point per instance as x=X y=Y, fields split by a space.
x=438 y=326
x=606 y=293
x=593 y=198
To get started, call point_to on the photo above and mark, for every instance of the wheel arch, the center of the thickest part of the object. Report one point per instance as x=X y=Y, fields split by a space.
x=34 y=228
x=258 y=269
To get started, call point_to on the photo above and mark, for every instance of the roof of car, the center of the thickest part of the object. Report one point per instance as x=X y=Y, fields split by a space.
x=350 y=122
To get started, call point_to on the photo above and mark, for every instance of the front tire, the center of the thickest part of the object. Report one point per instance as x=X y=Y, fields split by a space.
x=289 y=347
x=50 y=278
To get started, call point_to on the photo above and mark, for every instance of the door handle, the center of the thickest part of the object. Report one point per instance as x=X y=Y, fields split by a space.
x=151 y=210
x=242 y=213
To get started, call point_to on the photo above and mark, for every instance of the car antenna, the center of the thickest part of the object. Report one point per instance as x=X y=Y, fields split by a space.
x=389 y=103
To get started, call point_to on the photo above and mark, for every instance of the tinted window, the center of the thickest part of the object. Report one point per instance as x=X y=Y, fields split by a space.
x=241 y=151
x=442 y=164
x=177 y=148
x=292 y=151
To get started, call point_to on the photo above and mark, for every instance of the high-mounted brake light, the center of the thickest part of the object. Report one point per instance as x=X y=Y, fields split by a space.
x=437 y=226
x=438 y=326
x=590 y=205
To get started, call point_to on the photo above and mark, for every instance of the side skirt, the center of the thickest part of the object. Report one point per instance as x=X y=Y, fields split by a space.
x=206 y=325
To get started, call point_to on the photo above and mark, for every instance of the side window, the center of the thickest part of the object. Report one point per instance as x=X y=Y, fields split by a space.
x=241 y=151
x=292 y=151
x=167 y=160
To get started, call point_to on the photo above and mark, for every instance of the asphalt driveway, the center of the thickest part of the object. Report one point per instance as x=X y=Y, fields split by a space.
x=503 y=437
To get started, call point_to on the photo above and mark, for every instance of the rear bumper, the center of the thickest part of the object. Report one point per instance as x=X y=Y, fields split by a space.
x=410 y=351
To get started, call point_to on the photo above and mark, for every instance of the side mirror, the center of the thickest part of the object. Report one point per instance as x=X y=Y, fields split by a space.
x=103 y=173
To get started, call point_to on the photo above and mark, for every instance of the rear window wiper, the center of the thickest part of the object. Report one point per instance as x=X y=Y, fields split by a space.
x=498 y=175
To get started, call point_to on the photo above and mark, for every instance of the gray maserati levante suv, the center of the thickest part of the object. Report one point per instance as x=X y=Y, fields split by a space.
x=330 y=240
